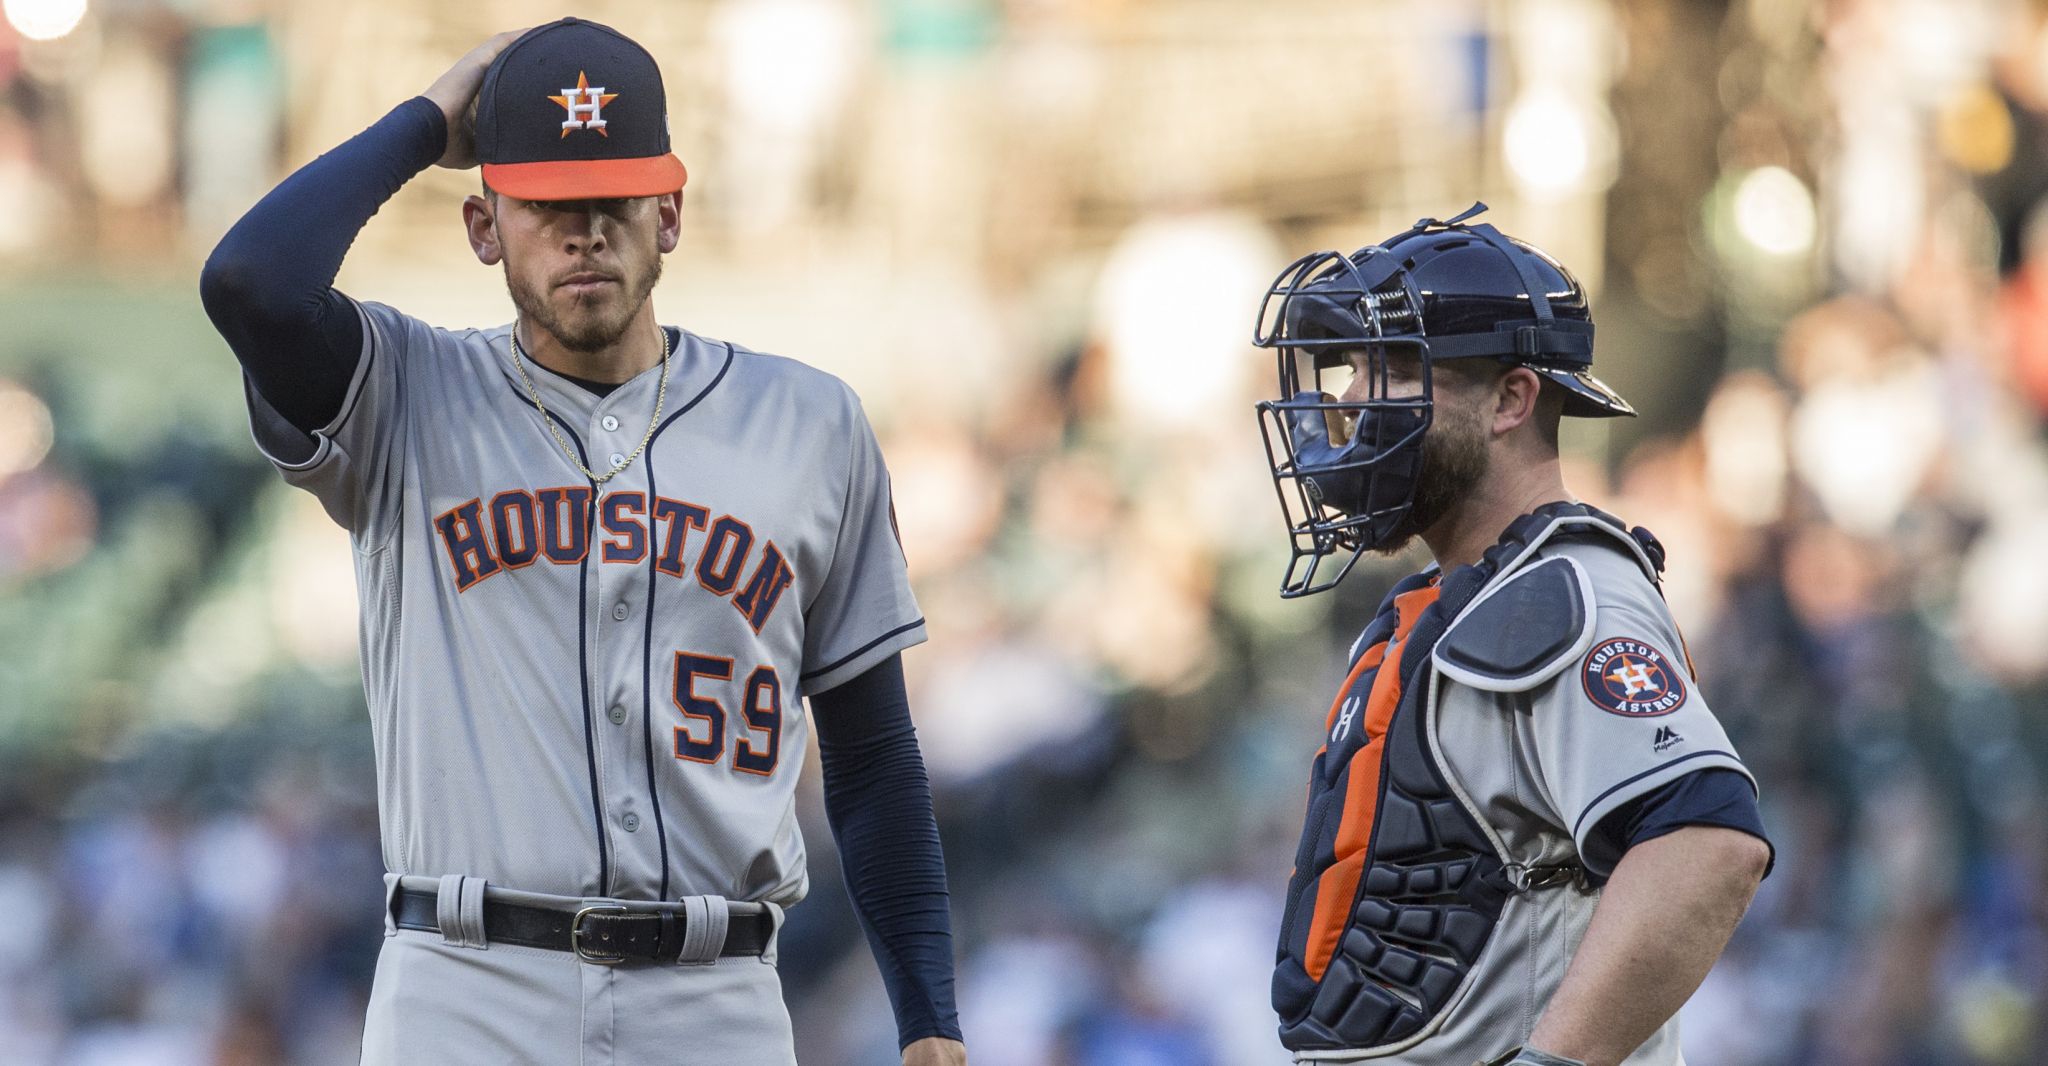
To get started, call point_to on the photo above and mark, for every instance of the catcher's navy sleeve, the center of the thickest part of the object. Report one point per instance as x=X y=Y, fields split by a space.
x=879 y=803
x=1715 y=796
x=269 y=284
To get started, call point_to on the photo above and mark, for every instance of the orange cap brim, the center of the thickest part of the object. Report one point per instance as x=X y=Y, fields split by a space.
x=588 y=179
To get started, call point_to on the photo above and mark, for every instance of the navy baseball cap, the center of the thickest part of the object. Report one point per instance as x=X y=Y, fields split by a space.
x=574 y=110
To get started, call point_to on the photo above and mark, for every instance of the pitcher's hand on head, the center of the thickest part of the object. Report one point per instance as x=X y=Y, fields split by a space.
x=454 y=93
x=935 y=1051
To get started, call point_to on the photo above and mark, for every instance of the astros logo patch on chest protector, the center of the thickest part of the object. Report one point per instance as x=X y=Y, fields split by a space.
x=1397 y=884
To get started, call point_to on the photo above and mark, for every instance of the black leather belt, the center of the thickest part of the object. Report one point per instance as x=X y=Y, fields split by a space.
x=599 y=933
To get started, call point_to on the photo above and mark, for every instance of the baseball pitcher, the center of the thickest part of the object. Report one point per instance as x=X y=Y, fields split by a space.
x=1527 y=837
x=602 y=562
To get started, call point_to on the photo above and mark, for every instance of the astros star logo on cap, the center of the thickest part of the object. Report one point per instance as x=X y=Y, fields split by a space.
x=527 y=107
x=582 y=100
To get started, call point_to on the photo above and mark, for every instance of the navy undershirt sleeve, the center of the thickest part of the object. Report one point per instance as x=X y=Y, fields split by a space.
x=269 y=284
x=1716 y=796
x=879 y=804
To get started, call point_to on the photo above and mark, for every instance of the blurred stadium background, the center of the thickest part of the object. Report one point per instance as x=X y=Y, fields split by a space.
x=1031 y=233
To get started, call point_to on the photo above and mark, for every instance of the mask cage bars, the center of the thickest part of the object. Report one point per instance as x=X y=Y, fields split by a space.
x=1368 y=288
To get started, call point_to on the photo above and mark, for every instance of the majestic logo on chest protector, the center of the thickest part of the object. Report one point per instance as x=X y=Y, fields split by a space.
x=1343 y=726
x=1632 y=679
x=519 y=527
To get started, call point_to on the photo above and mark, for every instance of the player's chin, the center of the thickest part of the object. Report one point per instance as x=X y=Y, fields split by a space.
x=590 y=326
x=589 y=309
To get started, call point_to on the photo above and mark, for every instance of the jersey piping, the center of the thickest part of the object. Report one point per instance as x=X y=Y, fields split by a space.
x=1599 y=801
x=862 y=650
x=583 y=639
x=358 y=383
x=694 y=400
x=647 y=683
x=647 y=627
x=604 y=857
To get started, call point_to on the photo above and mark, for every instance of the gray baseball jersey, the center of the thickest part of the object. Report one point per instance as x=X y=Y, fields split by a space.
x=595 y=690
x=1556 y=694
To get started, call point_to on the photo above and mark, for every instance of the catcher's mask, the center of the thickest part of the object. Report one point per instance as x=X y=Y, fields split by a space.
x=1349 y=450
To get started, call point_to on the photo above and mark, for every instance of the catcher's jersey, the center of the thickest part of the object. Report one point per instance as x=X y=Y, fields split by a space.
x=1540 y=762
x=589 y=689
x=1543 y=767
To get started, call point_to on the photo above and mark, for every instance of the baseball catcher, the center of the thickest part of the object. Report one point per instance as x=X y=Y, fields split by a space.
x=1527 y=836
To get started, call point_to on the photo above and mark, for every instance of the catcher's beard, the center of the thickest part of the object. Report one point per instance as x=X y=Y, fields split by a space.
x=1454 y=461
x=590 y=328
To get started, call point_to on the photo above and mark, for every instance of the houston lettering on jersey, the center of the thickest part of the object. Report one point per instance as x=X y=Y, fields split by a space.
x=517 y=527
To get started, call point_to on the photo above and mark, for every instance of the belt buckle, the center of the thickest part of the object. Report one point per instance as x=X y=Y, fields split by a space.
x=601 y=958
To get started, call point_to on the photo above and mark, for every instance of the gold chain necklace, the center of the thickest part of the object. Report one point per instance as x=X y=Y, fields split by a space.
x=660 y=399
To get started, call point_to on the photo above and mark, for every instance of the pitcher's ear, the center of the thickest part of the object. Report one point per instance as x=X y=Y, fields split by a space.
x=479 y=218
x=669 y=228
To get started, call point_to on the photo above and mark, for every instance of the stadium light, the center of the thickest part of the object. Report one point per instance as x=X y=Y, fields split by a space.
x=26 y=431
x=44 y=20
x=1171 y=304
x=1774 y=212
x=1548 y=143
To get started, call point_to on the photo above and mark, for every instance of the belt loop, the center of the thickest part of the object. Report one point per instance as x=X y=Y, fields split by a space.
x=391 y=903
x=459 y=911
x=774 y=932
x=705 y=919
x=473 y=911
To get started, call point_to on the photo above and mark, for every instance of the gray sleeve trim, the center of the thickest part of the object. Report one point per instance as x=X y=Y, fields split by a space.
x=322 y=439
x=1649 y=780
x=857 y=652
x=856 y=662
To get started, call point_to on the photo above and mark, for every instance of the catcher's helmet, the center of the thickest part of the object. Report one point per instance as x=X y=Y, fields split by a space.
x=1443 y=290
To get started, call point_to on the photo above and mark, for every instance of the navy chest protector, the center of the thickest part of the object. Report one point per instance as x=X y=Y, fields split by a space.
x=1377 y=941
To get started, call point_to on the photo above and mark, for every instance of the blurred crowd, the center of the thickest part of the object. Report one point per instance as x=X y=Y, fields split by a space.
x=1820 y=261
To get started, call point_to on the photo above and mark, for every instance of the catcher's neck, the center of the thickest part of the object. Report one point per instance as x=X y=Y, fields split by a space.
x=1507 y=492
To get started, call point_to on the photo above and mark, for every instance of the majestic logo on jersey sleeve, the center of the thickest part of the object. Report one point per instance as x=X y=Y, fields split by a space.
x=1632 y=679
x=565 y=525
x=586 y=106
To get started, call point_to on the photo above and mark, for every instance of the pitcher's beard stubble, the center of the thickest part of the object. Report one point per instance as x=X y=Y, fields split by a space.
x=590 y=328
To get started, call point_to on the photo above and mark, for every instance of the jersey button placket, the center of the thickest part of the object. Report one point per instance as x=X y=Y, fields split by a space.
x=625 y=663
x=608 y=424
